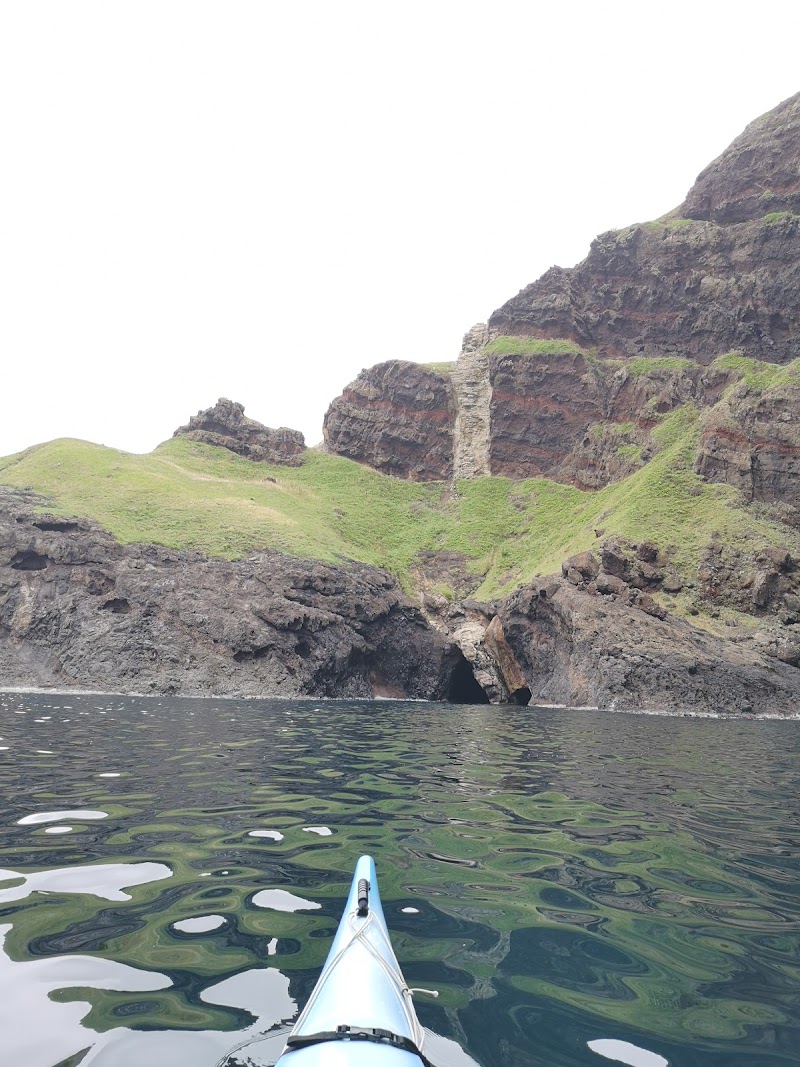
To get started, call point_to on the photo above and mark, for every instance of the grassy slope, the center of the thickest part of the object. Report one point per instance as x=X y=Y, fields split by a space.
x=189 y=495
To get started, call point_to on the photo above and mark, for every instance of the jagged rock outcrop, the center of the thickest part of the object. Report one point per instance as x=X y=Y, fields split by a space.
x=79 y=610
x=762 y=583
x=751 y=440
x=757 y=174
x=672 y=288
x=225 y=425
x=396 y=417
x=604 y=633
x=720 y=273
x=577 y=647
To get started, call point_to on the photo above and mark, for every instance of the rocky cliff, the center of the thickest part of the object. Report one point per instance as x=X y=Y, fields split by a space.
x=581 y=647
x=226 y=426
x=668 y=360
x=570 y=376
x=676 y=287
x=757 y=175
x=751 y=440
x=719 y=273
x=396 y=417
x=79 y=610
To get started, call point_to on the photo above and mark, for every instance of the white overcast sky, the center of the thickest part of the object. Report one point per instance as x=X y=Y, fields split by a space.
x=258 y=199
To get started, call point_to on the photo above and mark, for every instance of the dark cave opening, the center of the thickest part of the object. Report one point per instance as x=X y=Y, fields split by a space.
x=117 y=605
x=28 y=560
x=521 y=697
x=463 y=689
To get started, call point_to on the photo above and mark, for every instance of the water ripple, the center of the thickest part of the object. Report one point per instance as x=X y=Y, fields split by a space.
x=574 y=884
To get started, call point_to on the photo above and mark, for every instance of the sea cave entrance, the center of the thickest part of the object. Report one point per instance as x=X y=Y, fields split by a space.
x=463 y=688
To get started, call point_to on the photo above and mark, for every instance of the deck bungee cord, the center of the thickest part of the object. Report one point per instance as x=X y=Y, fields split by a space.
x=360 y=925
x=360 y=1011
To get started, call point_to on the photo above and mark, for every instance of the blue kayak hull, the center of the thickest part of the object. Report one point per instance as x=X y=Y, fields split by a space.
x=361 y=990
x=349 y=1054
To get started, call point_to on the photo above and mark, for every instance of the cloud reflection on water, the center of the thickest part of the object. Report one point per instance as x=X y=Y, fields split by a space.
x=105 y=880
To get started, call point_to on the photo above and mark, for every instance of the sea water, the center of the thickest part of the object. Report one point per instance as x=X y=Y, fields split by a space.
x=580 y=887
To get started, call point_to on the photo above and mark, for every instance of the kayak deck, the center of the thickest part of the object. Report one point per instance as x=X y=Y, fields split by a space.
x=360 y=1011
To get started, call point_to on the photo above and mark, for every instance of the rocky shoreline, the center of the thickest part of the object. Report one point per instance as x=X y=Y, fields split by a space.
x=80 y=611
x=692 y=317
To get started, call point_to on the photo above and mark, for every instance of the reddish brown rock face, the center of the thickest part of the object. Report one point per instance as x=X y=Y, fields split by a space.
x=680 y=288
x=396 y=417
x=752 y=441
x=583 y=421
x=723 y=277
x=540 y=407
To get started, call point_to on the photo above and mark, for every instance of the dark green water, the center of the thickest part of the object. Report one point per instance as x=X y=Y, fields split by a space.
x=577 y=876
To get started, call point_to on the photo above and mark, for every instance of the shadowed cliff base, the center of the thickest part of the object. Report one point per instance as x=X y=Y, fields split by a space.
x=78 y=610
x=94 y=614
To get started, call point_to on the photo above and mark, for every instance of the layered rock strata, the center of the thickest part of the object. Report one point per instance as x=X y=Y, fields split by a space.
x=678 y=287
x=226 y=426
x=751 y=440
x=759 y=173
x=720 y=273
x=569 y=377
x=396 y=417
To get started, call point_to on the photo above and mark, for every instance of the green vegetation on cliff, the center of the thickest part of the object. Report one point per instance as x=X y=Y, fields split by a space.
x=445 y=368
x=533 y=346
x=758 y=374
x=659 y=367
x=188 y=495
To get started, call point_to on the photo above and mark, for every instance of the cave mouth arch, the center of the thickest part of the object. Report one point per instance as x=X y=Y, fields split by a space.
x=463 y=687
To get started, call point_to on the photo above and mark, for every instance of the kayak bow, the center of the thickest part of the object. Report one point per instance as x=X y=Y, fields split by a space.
x=360 y=1013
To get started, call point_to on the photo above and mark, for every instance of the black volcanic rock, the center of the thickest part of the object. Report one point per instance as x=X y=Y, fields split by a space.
x=79 y=610
x=226 y=426
x=623 y=652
